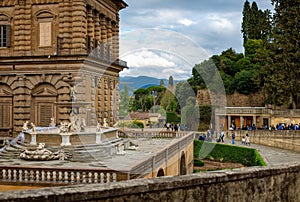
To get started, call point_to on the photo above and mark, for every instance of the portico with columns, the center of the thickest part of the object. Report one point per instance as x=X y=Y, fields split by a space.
x=241 y=117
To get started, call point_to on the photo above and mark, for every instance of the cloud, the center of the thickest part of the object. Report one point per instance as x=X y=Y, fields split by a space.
x=186 y=22
x=213 y=25
x=147 y=58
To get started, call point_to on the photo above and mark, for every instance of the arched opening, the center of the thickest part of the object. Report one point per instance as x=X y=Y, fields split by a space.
x=182 y=164
x=44 y=98
x=6 y=106
x=160 y=172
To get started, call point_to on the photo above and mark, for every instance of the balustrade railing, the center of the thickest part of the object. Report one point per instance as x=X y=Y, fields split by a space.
x=152 y=134
x=11 y=174
x=257 y=110
x=166 y=154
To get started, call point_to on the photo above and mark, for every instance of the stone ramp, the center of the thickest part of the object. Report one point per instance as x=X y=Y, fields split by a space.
x=272 y=155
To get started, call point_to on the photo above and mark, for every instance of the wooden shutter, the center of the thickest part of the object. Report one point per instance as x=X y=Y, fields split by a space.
x=8 y=35
x=4 y=115
x=45 y=114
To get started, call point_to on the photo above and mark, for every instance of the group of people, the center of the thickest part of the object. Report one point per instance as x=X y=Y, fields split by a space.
x=245 y=140
x=174 y=127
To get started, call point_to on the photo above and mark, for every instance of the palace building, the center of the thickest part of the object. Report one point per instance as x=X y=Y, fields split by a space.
x=58 y=58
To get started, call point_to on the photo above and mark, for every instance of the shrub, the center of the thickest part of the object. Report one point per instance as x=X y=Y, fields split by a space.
x=229 y=153
x=198 y=163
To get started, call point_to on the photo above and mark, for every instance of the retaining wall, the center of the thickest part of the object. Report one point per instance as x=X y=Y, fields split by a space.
x=284 y=139
x=279 y=183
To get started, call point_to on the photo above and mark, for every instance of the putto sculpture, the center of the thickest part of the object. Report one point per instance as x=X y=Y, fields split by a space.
x=42 y=154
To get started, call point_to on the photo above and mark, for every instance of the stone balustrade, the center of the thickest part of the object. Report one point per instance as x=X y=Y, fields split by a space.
x=38 y=175
x=257 y=111
x=276 y=183
x=152 y=134
x=163 y=156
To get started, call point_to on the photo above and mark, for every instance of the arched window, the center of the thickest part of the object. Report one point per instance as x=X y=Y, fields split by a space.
x=44 y=98
x=5 y=30
x=44 y=19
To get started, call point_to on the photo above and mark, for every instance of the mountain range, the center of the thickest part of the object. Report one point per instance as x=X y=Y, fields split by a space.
x=135 y=83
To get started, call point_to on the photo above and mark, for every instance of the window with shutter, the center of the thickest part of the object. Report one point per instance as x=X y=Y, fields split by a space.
x=45 y=114
x=4 y=115
x=5 y=35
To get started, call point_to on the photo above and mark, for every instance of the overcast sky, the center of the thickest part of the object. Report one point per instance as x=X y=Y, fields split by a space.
x=154 y=32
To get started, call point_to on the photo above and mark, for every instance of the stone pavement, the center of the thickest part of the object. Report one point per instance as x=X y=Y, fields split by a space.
x=272 y=155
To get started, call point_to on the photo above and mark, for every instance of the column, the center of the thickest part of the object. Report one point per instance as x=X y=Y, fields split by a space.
x=254 y=121
x=229 y=122
x=241 y=121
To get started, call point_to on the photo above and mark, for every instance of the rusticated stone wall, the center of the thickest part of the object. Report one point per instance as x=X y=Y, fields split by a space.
x=50 y=42
x=277 y=183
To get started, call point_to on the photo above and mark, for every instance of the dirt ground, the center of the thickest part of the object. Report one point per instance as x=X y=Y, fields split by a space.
x=210 y=165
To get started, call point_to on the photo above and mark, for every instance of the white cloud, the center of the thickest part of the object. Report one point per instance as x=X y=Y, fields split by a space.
x=186 y=22
x=220 y=24
x=147 y=58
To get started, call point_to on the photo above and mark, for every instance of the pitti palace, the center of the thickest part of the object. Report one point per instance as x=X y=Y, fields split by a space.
x=58 y=58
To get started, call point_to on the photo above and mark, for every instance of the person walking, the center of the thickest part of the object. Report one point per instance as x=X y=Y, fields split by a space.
x=232 y=137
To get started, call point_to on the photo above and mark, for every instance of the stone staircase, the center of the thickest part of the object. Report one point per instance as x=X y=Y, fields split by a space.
x=83 y=153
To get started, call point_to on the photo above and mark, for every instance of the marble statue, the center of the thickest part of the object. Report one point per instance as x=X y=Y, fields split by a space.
x=25 y=126
x=105 y=124
x=42 y=154
x=52 y=123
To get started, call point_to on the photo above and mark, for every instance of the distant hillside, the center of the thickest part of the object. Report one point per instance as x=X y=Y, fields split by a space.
x=141 y=82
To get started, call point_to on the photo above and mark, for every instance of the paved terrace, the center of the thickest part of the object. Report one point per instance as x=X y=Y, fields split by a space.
x=147 y=147
x=152 y=151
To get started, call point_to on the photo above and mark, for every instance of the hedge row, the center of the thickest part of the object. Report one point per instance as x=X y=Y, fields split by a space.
x=227 y=153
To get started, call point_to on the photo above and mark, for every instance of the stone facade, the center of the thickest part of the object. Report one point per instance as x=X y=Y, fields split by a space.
x=58 y=57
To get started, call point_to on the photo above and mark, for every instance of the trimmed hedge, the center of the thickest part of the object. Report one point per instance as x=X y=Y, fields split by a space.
x=229 y=153
x=198 y=163
x=172 y=117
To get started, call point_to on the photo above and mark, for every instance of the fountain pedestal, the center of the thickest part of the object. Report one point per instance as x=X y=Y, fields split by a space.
x=33 y=138
x=65 y=139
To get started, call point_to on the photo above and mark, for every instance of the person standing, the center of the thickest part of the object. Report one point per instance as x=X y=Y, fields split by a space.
x=222 y=136
x=232 y=137
x=247 y=140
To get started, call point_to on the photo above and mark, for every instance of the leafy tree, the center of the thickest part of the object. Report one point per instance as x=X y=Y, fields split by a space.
x=283 y=69
x=169 y=101
x=245 y=83
x=142 y=100
x=251 y=46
